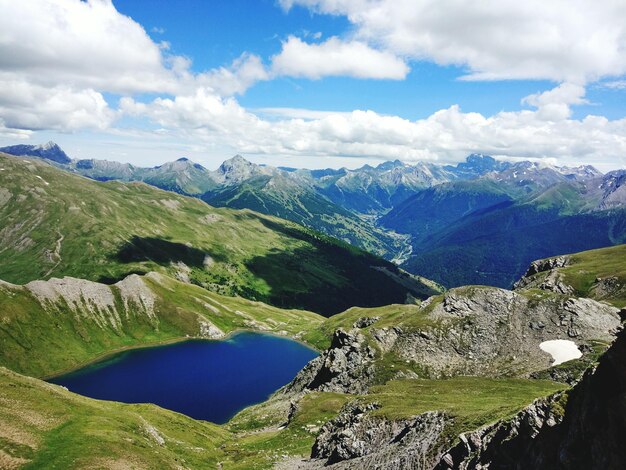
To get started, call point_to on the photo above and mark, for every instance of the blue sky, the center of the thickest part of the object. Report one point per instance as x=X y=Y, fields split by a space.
x=316 y=82
x=214 y=33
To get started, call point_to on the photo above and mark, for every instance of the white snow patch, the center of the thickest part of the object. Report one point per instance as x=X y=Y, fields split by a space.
x=42 y=180
x=561 y=350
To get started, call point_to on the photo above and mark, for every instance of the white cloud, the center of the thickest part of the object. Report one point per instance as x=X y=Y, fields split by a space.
x=58 y=57
x=447 y=135
x=296 y=113
x=615 y=84
x=554 y=105
x=560 y=40
x=335 y=57
x=244 y=72
x=24 y=105
x=80 y=44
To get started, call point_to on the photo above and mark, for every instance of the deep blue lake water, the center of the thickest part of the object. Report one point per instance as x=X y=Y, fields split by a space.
x=210 y=380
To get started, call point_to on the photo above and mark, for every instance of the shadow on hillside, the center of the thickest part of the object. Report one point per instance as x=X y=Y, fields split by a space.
x=326 y=281
x=159 y=251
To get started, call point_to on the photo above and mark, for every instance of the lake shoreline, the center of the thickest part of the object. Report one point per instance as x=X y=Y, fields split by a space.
x=167 y=342
x=210 y=380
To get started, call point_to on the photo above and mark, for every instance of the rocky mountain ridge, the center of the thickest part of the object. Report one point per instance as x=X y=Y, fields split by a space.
x=439 y=221
x=571 y=429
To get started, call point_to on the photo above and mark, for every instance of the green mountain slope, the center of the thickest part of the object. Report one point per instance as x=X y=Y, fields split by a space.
x=58 y=224
x=431 y=210
x=598 y=274
x=51 y=326
x=388 y=372
x=494 y=246
x=294 y=200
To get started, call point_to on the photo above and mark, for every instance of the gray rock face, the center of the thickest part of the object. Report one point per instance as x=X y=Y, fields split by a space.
x=588 y=433
x=356 y=439
x=364 y=322
x=552 y=281
x=608 y=287
x=478 y=449
x=473 y=331
x=346 y=367
x=579 y=429
x=494 y=332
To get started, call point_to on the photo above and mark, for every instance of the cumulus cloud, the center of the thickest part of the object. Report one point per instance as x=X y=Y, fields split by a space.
x=555 y=104
x=447 y=135
x=244 y=72
x=335 y=57
x=24 y=105
x=59 y=58
x=560 y=40
x=615 y=84
x=80 y=44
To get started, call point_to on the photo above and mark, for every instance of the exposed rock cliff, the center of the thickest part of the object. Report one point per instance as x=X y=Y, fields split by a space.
x=347 y=366
x=583 y=432
x=549 y=278
x=489 y=331
x=356 y=439
x=468 y=331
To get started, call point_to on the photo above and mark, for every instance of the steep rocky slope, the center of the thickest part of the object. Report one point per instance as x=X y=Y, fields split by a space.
x=443 y=356
x=578 y=429
x=597 y=274
x=466 y=331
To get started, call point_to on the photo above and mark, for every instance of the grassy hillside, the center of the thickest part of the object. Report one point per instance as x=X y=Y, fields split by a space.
x=44 y=426
x=41 y=334
x=598 y=274
x=299 y=202
x=56 y=224
x=587 y=270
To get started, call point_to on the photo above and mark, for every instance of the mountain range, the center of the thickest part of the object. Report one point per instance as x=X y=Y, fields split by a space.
x=409 y=375
x=451 y=223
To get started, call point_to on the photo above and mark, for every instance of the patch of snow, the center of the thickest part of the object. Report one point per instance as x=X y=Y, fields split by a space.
x=561 y=350
x=42 y=180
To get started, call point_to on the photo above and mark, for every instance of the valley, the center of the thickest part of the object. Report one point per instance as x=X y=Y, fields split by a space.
x=405 y=370
x=312 y=235
x=436 y=221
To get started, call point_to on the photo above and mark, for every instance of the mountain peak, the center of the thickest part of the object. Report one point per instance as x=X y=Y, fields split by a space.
x=48 y=151
x=183 y=159
x=477 y=164
x=390 y=165
x=50 y=145
x=238 y=169
x=239 y=160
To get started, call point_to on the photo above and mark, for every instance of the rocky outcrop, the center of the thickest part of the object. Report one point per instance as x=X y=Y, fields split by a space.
x=358 y=439
x=583 y=432
x=471 y=331
x=104 y=304
x=495 y=332
x=608 y=288
x=108 y=306
x=544 y=274
x=486 y=447
x=346 y=367
x=574 y=430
